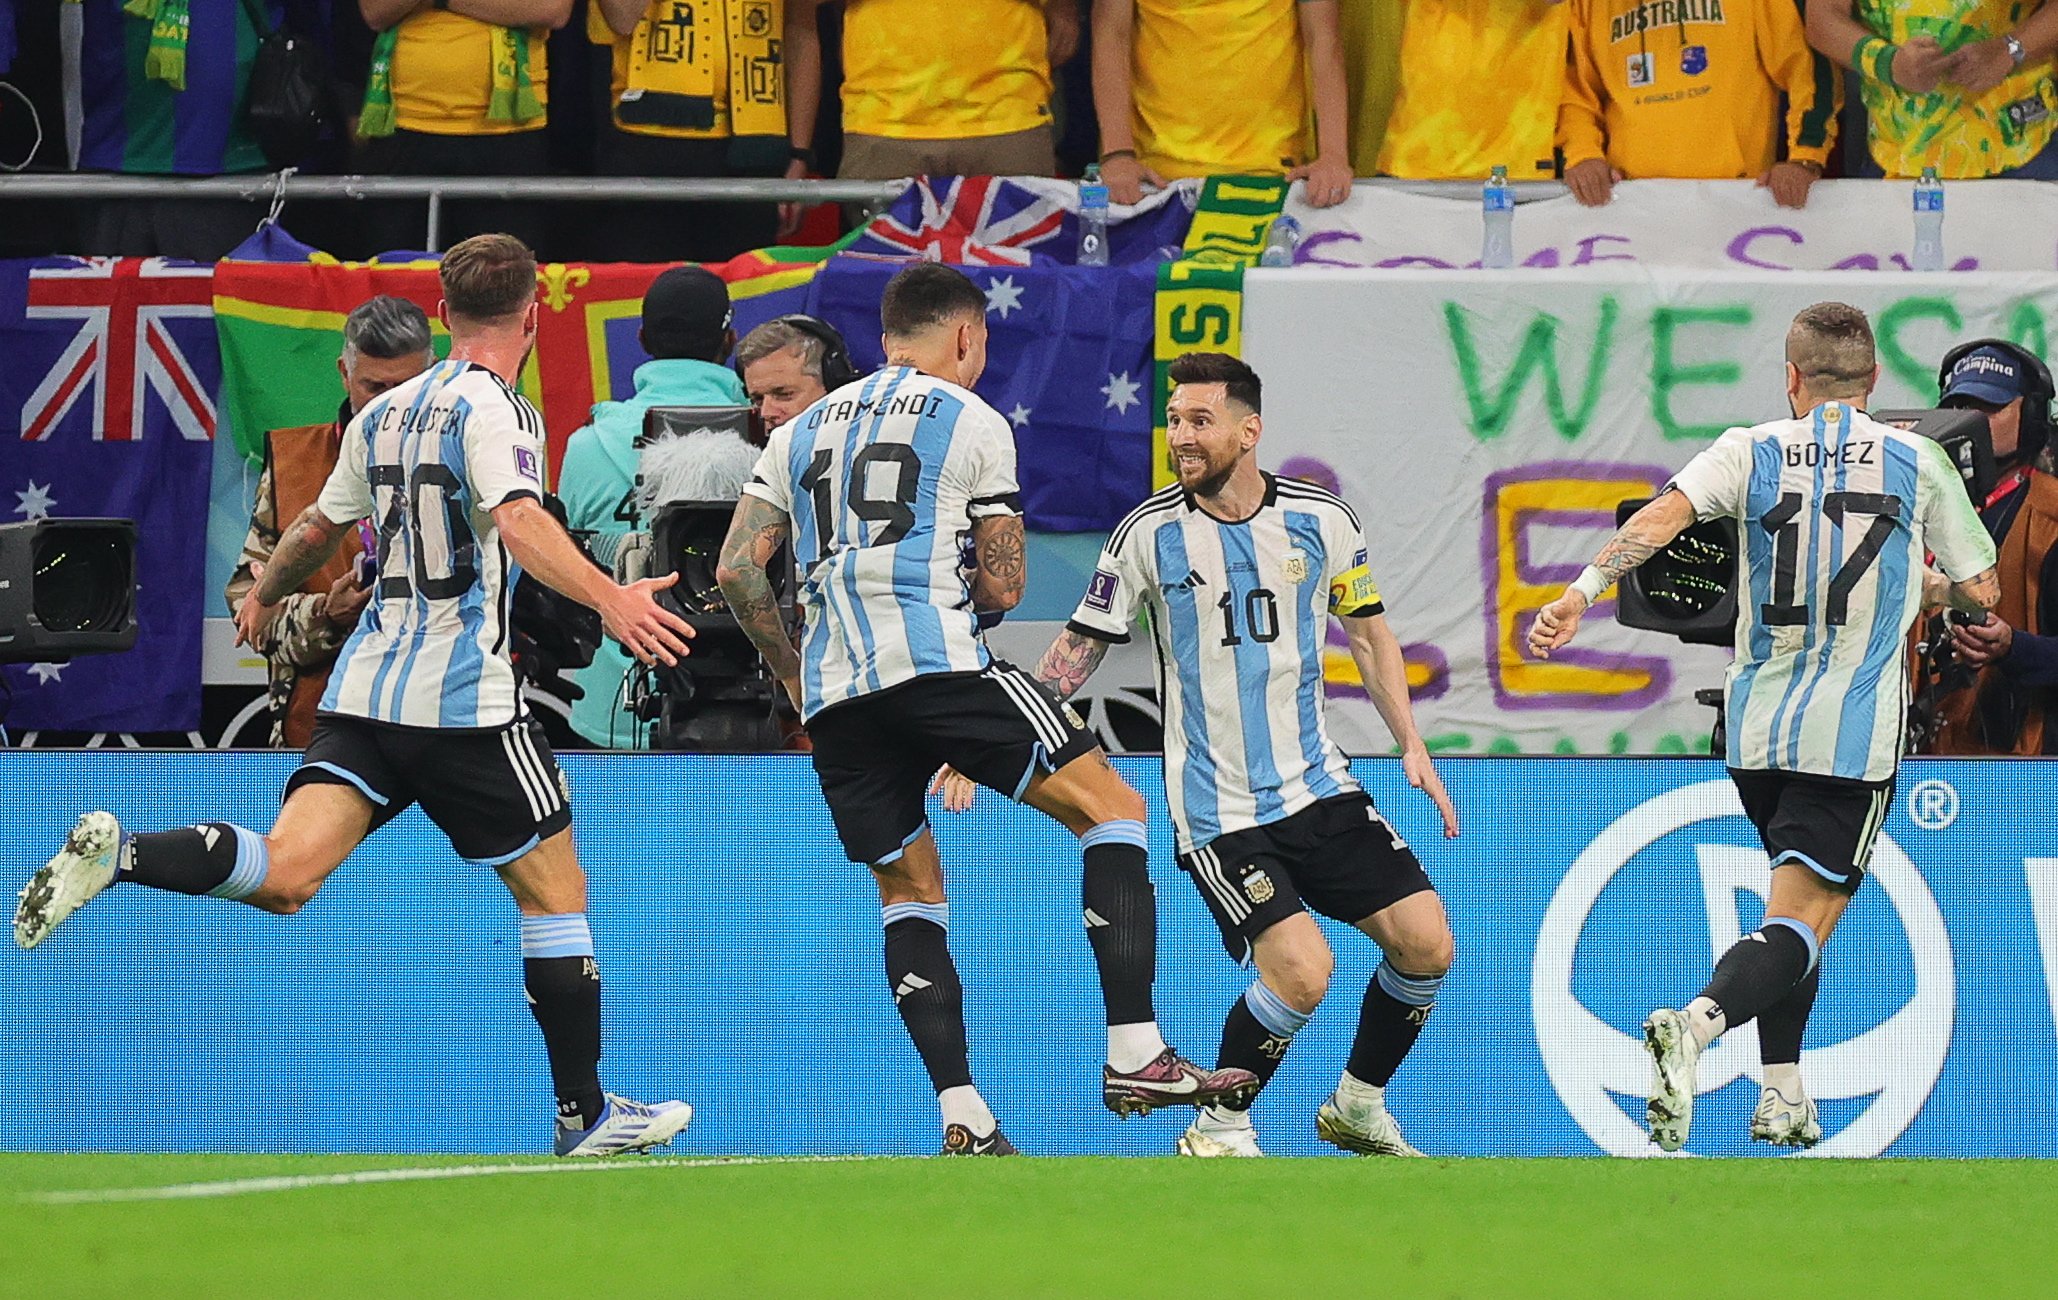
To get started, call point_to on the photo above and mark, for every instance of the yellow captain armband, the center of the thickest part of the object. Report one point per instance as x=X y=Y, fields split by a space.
x=1353 y=594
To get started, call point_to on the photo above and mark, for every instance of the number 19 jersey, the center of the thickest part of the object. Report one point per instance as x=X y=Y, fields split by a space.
x=883 y=479
x=429 y=461
x=1835 y=512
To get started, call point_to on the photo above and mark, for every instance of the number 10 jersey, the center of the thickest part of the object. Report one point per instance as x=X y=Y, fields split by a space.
x=883 y=479
x=1834 y=512
x=428 y=462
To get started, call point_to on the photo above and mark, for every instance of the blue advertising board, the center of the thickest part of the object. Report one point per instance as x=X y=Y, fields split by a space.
x=743 y=972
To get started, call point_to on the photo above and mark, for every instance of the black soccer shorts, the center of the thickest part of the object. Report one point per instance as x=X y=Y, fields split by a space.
x=1825 y=823
x=495 y=794
x=1337 y=856
x=875 y=755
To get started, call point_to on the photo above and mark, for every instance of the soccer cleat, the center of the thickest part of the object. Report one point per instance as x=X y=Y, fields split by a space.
x=1674 y=1054
x=66 y=883
x=959 y=1141
x=623 y=1126
x=1784 y=1122
x=1172 y=1080
x=1367 y=1131
x=1211 y=1141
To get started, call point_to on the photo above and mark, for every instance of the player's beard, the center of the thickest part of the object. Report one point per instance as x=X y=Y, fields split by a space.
x=1212 y=479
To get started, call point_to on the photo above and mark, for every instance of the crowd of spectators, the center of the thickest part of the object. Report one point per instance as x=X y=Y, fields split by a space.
x=1322 y=90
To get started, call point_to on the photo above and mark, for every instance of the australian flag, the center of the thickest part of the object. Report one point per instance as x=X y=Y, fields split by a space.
x=1002 y=221
x=108 y=374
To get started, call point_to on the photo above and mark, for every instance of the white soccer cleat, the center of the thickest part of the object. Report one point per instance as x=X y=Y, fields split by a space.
x=66 y=883
x=1785 y=1122
x=626 y=1126
x=1365 y=1130
x=1208 y=1141
x=1674 y=1054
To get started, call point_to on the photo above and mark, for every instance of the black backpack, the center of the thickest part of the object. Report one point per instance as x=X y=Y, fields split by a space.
x=290 y=102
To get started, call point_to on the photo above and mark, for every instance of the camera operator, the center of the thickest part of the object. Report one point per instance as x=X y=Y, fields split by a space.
x=789 y=363
x=1988 y=688
x=686 y=330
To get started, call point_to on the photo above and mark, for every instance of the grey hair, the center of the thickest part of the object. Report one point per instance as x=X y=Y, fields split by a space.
x=776 y=336
x=386 y=327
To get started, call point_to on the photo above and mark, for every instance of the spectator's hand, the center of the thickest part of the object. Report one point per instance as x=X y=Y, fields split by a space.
x=955 y=787
x=1976 y=68
x=1789 y=182
x=789 y=213
x=1920 y=65
x=346 y=601
x=1327 y=180
x=1061 y=24
x=645 y=628
x=253 y=618
x=1126 y=178
x=1556 y=623
x=1983 y=643
x=1592 y=182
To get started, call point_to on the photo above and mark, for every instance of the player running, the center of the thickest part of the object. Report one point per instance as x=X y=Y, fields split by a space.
x=1238 y=572
x=1835 y=512
x=877 y=485
x=423 y=705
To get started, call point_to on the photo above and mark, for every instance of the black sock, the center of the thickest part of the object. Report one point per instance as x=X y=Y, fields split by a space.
x=1248 y=1043
x=190 y=860
x=563 y=983
x=1781 y=1025
x=926 y=990
x=1121 y=920
x=1395 y=1008
x=1761 y=969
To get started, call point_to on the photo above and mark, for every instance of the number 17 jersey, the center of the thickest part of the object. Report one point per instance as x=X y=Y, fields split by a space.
x=1834 y=512
x=883 y=479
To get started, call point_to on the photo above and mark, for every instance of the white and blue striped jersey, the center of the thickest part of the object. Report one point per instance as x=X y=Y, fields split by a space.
x=428 y=462
x=883 y=479
x=1239 y=613
x=1835 y=512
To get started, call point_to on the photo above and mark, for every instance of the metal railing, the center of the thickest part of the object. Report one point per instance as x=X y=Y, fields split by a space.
x=279 y=187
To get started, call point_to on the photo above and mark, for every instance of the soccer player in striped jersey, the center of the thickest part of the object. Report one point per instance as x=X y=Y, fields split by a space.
x=1239 y=573
x=423 y=705
x=877 y=486
x=1835 y=512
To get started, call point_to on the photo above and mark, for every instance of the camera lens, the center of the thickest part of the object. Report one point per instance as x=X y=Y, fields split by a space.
x=82 y=580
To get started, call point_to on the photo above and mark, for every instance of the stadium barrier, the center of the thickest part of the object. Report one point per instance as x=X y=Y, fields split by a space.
x=743 y=972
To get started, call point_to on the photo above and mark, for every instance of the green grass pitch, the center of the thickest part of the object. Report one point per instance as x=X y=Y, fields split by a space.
x=1029 y=1227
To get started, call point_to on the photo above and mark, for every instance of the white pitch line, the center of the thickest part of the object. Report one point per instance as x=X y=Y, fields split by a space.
x=404 y=1174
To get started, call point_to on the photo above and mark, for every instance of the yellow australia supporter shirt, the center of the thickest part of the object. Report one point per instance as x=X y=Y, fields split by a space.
x=944 y=69
x=1219 y=86
x=443 y=75
x=1479 y=88
x=1962 y=138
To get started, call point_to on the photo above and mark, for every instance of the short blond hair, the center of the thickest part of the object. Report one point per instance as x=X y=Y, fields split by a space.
x=488 y=278
x=1831 y=345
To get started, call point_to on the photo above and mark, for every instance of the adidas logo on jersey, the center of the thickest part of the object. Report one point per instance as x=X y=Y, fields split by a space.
x=1192 y=580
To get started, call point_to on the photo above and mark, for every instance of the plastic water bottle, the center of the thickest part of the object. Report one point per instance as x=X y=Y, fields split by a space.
x=1929 y=222
x=1281 y=242
x=1497 y=211
x=1093 y=218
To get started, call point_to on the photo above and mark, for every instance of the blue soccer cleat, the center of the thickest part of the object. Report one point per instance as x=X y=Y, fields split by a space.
x=625 y=1125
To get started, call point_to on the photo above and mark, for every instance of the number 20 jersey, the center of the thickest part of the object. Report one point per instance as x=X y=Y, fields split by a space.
x=1835 y=512
x=428 y=462
x=883 y=479
x=1240 y=615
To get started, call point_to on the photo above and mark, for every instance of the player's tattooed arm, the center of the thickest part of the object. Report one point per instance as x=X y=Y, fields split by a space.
x=757 y=531
x=1648 y=531
x=302 y=550
x=1003 y=570
x=1070 y=660
x=1976 y=595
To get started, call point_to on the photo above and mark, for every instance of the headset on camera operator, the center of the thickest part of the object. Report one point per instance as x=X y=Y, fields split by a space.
x=1987 y=687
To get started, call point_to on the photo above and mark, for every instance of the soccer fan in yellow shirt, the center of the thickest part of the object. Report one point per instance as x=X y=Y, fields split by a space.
x=1690 y=88
x=1272 y=56
x=1451 y=123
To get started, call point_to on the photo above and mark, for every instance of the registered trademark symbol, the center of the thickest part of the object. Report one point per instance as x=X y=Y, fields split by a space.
x=1933 y=805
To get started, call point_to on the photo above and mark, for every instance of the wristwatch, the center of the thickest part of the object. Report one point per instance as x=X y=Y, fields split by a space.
x=2015 y=51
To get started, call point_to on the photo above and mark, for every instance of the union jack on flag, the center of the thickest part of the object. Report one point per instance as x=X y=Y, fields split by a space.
x=995 y=221
x=124 y=345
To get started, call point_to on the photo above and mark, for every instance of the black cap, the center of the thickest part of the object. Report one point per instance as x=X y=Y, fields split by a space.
x=686 y=315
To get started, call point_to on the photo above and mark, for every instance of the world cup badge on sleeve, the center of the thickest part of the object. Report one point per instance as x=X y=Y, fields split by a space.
x=526 y=464
x=1100 y=591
